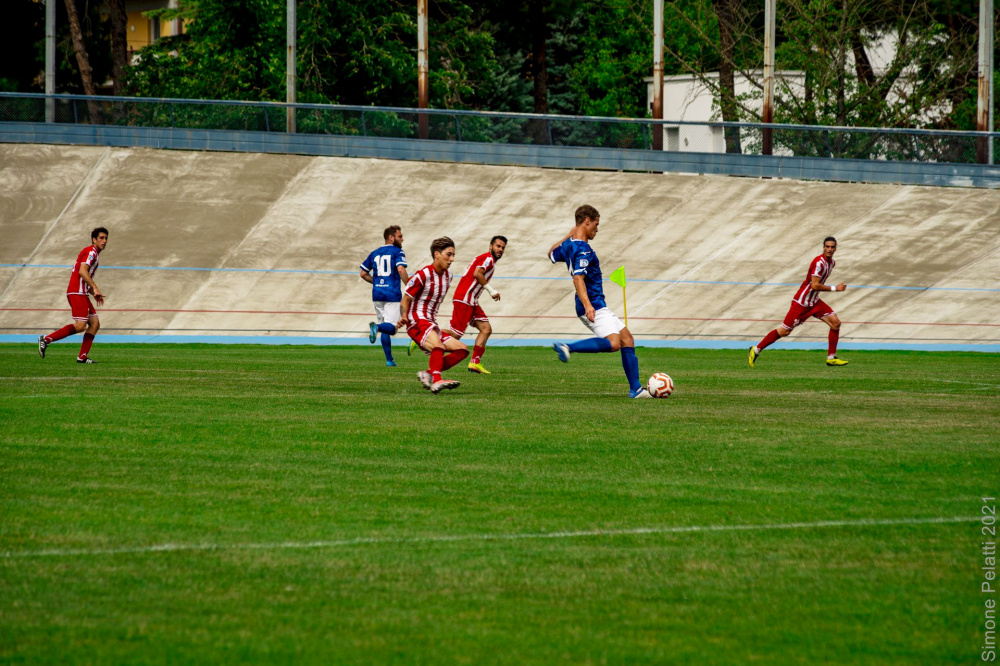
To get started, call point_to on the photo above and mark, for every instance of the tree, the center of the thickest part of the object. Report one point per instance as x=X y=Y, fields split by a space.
x=359 y=52
x=119 y=43
x=82 y=59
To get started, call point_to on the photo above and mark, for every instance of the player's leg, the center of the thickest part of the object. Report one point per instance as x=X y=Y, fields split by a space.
x=455 y=352
x=80 y=313
x=432 y=343
x=482 y=323
x=387 y=327
x=606 y=336
x=792 y=319
x=93 y=325
x=630 y=364
x=833 y=337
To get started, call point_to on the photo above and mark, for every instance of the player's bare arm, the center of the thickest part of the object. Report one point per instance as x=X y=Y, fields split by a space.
x=367 y=277
x=404 y=307
x=818 y=286
x=480 y=276
x=85 y=275
x=581 y=291
x=402 y=274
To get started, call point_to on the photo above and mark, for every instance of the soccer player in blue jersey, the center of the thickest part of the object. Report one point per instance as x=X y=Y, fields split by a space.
x=611 y=334
x=385 y=270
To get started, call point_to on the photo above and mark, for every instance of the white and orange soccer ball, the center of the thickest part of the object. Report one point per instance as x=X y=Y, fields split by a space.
x=660 y=385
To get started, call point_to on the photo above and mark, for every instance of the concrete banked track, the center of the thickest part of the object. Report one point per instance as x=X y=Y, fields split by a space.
x=708 y=258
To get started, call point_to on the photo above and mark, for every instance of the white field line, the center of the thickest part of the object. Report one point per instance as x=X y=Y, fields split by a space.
x=955 y=381
x=454 y=538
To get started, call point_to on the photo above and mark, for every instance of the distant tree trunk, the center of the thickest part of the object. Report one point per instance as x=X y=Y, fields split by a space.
x=119 y=44
x=725 y=11
x=539 y=68
x=862 y=65
x=82 y=60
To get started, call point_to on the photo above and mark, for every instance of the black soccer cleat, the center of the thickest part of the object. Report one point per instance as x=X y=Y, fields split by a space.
x=42 y=344
x=86 y=359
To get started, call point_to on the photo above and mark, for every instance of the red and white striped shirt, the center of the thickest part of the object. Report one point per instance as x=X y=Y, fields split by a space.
x=90 y=256
x=821 y=268
x=469 y=289
x=427 y=289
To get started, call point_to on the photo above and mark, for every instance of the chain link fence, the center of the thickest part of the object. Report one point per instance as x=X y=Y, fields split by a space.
x=901 y=145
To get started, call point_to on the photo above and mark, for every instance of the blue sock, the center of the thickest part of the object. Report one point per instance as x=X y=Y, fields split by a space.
x=631 y=366
x=590 y=346
x=386 y=328
x=386 y=344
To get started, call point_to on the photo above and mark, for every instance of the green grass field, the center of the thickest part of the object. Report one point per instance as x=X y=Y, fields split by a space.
x=223 y=504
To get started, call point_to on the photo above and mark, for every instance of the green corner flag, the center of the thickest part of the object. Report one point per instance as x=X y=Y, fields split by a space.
x=618 y=277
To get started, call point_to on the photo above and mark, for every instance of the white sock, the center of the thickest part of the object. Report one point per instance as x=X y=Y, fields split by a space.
x=830 y=357
x=755 y=350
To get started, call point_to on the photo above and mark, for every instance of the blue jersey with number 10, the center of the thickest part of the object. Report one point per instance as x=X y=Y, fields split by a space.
x=581 y=259
x=382 y=264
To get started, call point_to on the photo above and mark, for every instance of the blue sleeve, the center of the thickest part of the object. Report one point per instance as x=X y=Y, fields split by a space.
x=580 y=263
x=366 y=265
x=401 y=259
x=556 y=256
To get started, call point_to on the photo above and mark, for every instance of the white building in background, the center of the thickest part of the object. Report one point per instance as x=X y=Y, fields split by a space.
x=689 y=98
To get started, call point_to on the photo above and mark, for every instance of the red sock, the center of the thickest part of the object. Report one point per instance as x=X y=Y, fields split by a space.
x=477 y=353
x=832 y=339
x=63 y=332
x=88 y=340
x=768 y=340
x=453 y=358
x=437 y=361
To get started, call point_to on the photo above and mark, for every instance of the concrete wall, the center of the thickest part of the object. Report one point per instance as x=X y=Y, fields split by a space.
x=284 y=216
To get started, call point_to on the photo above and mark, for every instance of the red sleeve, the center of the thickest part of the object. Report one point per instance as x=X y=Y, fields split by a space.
x=416 y=285
x=487 y=263
x=816 y=268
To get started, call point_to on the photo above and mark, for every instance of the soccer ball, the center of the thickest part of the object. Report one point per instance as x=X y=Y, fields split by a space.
x=660 y=385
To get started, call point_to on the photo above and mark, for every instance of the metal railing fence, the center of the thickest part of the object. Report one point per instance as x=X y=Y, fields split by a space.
x=885 y=144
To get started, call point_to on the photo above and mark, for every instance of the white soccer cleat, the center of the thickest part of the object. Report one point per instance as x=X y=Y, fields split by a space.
x=641 y=393
x=425 y=379
x=562 y=351
x=444 y=385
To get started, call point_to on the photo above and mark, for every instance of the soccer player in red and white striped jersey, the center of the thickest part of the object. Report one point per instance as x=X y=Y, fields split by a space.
x=807 y=303
x=423 y=296
x=81 y=285
x=465 y=304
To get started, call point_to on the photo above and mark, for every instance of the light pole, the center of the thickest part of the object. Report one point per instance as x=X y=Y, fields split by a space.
x=290 y=69
x=657 y=73
x=50 y=60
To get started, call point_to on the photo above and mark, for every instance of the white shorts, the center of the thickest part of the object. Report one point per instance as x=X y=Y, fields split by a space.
x=386 y=312
x=605 y=323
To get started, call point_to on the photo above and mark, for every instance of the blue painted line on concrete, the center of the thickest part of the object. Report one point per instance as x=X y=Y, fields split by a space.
x=514 y=342
x=498 y=277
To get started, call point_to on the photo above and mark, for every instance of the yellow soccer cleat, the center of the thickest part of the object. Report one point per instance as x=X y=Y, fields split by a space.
x=834 y=362
x=478 y=369
x=411 y=348
x=752 y=358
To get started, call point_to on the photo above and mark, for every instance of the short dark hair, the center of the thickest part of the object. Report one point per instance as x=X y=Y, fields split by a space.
x=391 y=231
x=441 y=244
x=496 y=238
x=96 y=232
x=586 y=212
x=829 y=238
